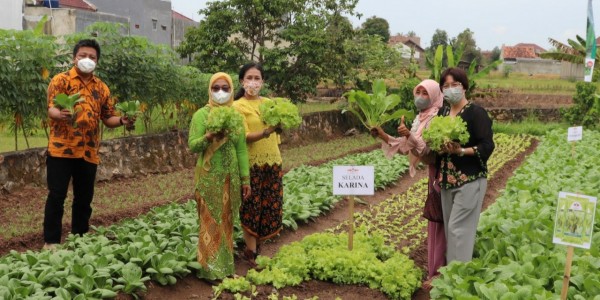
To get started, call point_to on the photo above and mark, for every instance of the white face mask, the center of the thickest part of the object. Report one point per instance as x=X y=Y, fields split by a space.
x=86 y=65
x=221 y=97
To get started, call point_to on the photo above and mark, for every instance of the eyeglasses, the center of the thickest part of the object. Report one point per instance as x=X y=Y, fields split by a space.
x=453 y=84
x=216 y=88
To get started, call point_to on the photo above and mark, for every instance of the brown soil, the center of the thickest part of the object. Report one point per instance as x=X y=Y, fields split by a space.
x=193 y=288
x=33 y=198
x=511 y=100
x=322 y=161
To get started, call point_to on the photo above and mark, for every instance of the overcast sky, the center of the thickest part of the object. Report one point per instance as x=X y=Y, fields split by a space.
x=494 y=22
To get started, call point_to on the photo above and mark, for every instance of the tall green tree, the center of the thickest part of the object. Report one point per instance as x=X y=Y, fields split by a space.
x=496 y=53
x=372 y=59
x=377 y=26
x=292 y=38
x=466 y=40
x=439 y=38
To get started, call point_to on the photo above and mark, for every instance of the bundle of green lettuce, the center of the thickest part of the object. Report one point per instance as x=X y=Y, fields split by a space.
x=224 y=119
x=280 y=112
x=442 y=130
x=376 y=109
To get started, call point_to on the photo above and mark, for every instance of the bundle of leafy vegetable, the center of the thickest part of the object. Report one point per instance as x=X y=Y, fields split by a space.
x=129 y=109
x=62 y=101
x=376 y=109
x=442 y=130
x=280 y=112
x=225 y=119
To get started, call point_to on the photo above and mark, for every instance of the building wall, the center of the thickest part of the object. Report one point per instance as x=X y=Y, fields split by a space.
x=180 y=27
x=572 y=71
x=61 y=21
x=534 y=66
x=141 y=15
x=11 y=14
x=86 y=18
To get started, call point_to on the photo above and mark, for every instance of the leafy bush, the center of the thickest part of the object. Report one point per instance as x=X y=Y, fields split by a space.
x=586 y=108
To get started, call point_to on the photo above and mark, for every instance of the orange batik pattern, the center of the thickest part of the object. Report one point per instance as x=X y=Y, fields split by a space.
x=83 y=139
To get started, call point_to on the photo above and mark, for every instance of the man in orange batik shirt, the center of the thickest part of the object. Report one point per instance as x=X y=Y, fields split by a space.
x=75 y=140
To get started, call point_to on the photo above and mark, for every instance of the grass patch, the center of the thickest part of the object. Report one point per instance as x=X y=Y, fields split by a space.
x=295 y=157
x=528 y=126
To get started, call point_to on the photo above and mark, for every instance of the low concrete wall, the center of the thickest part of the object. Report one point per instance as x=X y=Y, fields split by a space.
x=158 y=153
x=534 y=66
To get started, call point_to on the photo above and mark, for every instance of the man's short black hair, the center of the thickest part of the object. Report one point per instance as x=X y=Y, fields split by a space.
x=87 y=43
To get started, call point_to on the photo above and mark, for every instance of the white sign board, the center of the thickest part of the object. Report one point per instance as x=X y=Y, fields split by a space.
x=574 y=222
x=575 y=134
x=353 y=180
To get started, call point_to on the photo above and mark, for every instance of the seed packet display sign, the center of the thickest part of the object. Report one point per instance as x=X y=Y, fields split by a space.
x=574 y=222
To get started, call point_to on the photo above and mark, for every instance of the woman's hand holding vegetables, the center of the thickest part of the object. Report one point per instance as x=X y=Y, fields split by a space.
x=214 y=136
x=451 y=148
x=377 y=132
x=278 y=129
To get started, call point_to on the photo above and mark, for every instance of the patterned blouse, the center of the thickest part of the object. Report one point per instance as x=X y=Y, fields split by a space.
x=84 y=141
x=264 y=151
x=455 y=170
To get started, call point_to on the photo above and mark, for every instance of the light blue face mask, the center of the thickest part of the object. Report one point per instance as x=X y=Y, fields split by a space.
x=422 y=103
x=453 y=95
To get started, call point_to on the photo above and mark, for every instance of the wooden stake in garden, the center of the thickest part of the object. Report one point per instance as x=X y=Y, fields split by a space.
x=351 y=223
x=350 y=181
x=567 y=277
x=574 y=134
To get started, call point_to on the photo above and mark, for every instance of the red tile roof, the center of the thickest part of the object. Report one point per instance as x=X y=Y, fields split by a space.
x=518 y=52
x=177 y=15
x=536 y=47
x=78 y=4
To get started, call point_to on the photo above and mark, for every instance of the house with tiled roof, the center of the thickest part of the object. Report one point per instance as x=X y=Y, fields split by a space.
x=525 y=58
x=514 y=52
x=406 y=45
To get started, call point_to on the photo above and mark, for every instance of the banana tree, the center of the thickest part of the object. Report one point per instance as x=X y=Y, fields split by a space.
x=573 y=52
x=453 y=57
